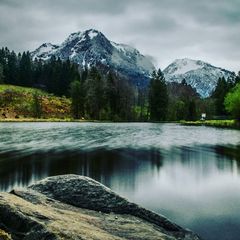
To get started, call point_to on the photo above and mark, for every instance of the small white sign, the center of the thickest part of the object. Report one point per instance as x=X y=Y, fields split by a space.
x=203 y=116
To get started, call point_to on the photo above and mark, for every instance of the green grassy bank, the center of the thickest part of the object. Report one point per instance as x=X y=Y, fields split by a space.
x=214 y=123
x=19 y=104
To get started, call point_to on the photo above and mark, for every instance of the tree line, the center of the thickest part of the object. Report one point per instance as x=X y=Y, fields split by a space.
x=53 y=76
x=101 y=95
x=95 y=95
x=227 y=97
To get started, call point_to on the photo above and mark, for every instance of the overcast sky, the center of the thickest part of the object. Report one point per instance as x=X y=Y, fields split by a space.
x=164 y=29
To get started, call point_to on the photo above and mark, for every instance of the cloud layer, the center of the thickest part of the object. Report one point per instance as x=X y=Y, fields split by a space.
x=163 y=29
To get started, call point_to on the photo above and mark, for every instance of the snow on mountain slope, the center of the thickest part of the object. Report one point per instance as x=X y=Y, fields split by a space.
x=200 y=75
x=92 y=48
x=44 y=51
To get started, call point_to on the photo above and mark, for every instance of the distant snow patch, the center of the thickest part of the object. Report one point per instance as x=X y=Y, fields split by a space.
x=84 y=62
x=187 y=66
x=73 y=54
x=92 y=34
x=119 y=47
x=82 y=39
x=72 y=37
x=45 y=48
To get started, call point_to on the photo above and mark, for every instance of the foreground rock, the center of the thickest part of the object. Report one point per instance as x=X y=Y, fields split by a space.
x=76 y=207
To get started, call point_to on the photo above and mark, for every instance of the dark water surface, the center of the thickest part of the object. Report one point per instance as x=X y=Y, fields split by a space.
x=189 y=174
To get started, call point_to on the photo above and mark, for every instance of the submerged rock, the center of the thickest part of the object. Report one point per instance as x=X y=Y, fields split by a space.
x=77 y=207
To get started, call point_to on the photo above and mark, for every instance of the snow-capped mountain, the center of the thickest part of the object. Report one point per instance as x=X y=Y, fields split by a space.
x=43 y=51
x=92 y=48
x=200 y=75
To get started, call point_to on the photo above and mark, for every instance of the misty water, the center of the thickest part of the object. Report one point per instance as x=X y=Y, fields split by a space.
x=189 y=174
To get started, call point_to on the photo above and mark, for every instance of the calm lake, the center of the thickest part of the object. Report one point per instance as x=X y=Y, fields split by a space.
x=189 y=174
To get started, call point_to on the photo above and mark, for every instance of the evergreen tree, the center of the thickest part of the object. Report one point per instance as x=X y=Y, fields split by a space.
x=111 y=95
x=158 y=97
x=126 y=100
x=192 y=111
x=50 y=72
x=219 y=95
x=142 y=93
x=25 y=70
x=37 y=72
x=12 y=69
x=64 y=78
x=1 y=74
x=76 y=92
x=94 y=93
x=37 y=106
x=4 y=53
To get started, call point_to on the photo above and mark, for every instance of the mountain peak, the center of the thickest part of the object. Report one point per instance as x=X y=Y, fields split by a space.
x=44 y=50
x=92 y=48
x=186 y=59
x=92 y=33
x=199 y=74
x=48 y=46
x=184 y=65
x=87 y=34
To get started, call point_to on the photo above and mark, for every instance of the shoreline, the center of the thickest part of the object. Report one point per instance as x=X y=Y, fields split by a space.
x=71 y=120
x=228 y=124
x=43 y=120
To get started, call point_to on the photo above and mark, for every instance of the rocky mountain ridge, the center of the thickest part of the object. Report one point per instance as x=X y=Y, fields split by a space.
x=200 y=75
x=92 y=48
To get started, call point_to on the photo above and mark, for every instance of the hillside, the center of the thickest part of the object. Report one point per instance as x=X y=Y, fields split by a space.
x=20 y=102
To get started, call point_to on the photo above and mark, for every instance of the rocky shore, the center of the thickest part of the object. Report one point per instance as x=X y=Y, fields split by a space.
x=77 y=207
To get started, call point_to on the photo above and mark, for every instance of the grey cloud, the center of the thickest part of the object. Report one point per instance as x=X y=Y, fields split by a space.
x=165 y=29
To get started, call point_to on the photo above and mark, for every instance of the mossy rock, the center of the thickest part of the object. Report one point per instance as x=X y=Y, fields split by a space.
x=4 y=235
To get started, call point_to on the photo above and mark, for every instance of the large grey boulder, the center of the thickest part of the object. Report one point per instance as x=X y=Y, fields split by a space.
x=77 y=207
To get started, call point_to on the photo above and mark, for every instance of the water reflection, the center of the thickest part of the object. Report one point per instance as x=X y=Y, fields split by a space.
x=100 y=164
x=192 y=175
x=182 y=166
x=232 y=152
